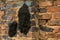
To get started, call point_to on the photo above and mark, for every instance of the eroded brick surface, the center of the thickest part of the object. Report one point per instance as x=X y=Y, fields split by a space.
x=9 y=11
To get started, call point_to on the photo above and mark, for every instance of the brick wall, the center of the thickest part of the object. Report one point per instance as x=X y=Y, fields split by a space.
x=9 y=11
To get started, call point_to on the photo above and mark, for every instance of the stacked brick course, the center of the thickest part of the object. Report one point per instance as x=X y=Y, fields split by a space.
x=9 y=11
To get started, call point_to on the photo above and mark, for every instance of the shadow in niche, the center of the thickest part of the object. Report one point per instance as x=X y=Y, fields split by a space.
x=46 y=29
x=24 y=19
x=12 y=29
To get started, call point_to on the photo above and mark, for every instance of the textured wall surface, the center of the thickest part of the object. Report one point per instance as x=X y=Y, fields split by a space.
x=51 y=12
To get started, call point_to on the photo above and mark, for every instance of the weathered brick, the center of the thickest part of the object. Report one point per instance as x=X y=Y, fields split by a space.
x=2 y=4
x=57 y=2
x=10 y=5
x=45 y=3
x=56 y=15
x=45 y=16
x=52 y=39
x=54 y=23
x=53 y=9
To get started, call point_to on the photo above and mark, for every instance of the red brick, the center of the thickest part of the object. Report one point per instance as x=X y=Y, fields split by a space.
x=57 y=15
x=57 y=2
x=53 y=9
x=46 y=3
x=56 y=29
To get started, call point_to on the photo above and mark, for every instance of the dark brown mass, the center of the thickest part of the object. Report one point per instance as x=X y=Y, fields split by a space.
x=12 y=29
x=24 y=19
